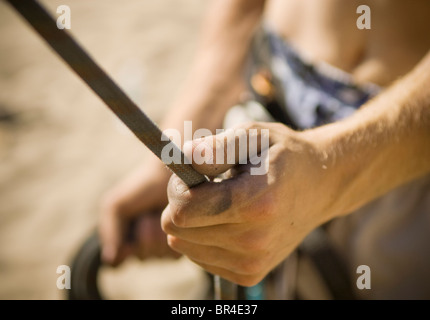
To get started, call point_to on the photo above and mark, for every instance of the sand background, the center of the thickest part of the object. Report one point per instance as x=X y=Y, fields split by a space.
x=61 y=148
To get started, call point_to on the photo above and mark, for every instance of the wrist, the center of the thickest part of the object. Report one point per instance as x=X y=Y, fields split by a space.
x=342 y=167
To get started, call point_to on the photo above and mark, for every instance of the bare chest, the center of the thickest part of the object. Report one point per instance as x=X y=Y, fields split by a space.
x=326 y=30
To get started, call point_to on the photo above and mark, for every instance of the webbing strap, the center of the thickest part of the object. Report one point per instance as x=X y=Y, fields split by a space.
x=117 y=101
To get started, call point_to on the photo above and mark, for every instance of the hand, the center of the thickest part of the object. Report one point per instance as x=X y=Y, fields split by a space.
x=245 y=225
x=130 y=216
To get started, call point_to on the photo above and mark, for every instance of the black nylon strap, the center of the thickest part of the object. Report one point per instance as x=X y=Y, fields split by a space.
x=119 y=103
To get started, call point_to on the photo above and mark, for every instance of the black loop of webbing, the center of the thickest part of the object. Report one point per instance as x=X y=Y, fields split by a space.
x=117 y=101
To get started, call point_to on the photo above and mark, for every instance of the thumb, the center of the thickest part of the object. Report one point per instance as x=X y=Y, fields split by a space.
x=213 y=155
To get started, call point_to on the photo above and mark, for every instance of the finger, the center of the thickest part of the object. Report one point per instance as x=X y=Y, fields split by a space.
x=121 y=206
x=215 y=256
x=138 y=193
x=150 y=238
x=145 y=243
x=216 y=154
x=244 y=280
x=111 y=231
x=202 y=235
x=215 y=203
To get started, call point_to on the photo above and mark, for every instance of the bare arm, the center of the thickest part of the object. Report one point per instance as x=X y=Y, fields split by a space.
x=385 y=144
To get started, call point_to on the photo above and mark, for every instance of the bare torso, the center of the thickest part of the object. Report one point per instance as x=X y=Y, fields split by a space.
x=326 y=30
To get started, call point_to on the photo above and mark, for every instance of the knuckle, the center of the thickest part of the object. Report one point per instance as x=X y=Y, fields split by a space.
x=247 y=281
x=176 y=188
x=251 y=266
x=174 y=242
x=111 y=203
x=280 y=127
x=263 y=208
x=178 y=215
x=255 y=242
x=166 y=224
x=252 y=125
x=179 y=202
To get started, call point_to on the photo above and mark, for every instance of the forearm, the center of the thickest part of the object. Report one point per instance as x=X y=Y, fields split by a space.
x=385 y=144
x=215 y=79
